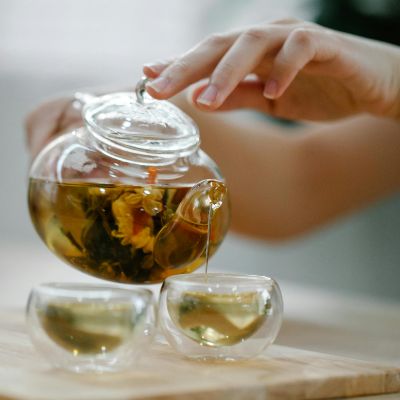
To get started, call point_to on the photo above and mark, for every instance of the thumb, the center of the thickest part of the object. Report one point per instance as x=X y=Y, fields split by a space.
x=248 y=94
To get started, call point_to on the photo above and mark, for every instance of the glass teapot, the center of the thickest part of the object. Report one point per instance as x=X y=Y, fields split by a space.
x=129 y=197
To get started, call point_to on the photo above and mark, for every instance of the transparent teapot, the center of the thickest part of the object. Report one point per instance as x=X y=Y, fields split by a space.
x=129 y=196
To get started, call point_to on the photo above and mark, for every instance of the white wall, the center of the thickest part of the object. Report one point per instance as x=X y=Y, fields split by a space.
x=49 y=47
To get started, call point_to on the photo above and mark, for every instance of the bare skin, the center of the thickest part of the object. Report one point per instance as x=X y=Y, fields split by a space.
x=283 y=185
x=302 y=71
x=286 y=182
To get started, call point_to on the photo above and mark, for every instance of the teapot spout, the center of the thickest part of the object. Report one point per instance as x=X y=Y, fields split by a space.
x=204 y=197
x=182 y=241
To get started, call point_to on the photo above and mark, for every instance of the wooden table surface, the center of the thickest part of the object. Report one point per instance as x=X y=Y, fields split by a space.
x=315 y=320
x=280 y=373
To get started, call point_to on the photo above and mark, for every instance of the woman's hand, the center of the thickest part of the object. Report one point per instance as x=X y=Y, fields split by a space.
x=49 y=120
x=300 y=71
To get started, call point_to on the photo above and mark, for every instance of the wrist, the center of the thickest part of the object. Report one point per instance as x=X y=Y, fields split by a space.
x=397 y=100
x=383 y=95
x=394 y=108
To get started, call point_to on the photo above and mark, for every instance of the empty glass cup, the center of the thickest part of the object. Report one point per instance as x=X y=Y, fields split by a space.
x=220 y=316
x=85 y=327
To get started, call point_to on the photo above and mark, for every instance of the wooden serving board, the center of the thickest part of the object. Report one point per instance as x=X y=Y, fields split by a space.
x=280 y=373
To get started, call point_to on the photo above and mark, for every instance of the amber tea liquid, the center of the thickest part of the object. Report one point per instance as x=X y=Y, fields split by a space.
x=112 y=231
x=88 y=328
x=215 y=320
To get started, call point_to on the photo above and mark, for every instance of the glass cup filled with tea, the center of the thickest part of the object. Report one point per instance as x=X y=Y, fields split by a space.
x=120 y=198
x=90 y=328
x=220 y=316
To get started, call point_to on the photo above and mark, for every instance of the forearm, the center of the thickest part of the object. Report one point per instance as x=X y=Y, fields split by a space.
x=285 y=185
x=348 y=165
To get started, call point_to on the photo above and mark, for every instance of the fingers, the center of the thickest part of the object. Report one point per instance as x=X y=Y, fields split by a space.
x=276 y=52
x=248 y=94
x=228 y=58
x=302 y=46
x=240 y=60
x=194 y=65
x=153 y=70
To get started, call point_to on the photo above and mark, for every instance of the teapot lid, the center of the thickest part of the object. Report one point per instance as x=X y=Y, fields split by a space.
x=138 y=124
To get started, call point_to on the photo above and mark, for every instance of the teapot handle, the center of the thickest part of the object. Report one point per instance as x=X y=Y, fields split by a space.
x=81 y=99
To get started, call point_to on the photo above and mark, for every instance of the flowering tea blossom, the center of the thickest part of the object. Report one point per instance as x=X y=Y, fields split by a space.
x=133 y=212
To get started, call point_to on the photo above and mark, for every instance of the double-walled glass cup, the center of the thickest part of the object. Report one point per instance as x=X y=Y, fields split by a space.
x=84 y=327
x=220 y=316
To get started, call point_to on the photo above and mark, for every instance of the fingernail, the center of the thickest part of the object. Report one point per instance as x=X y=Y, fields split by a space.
x=208 y=96
x=159 y=84
x=155 y=67
x=271 y=89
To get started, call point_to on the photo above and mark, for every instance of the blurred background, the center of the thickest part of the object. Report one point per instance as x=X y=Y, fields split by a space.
x=49 y=48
